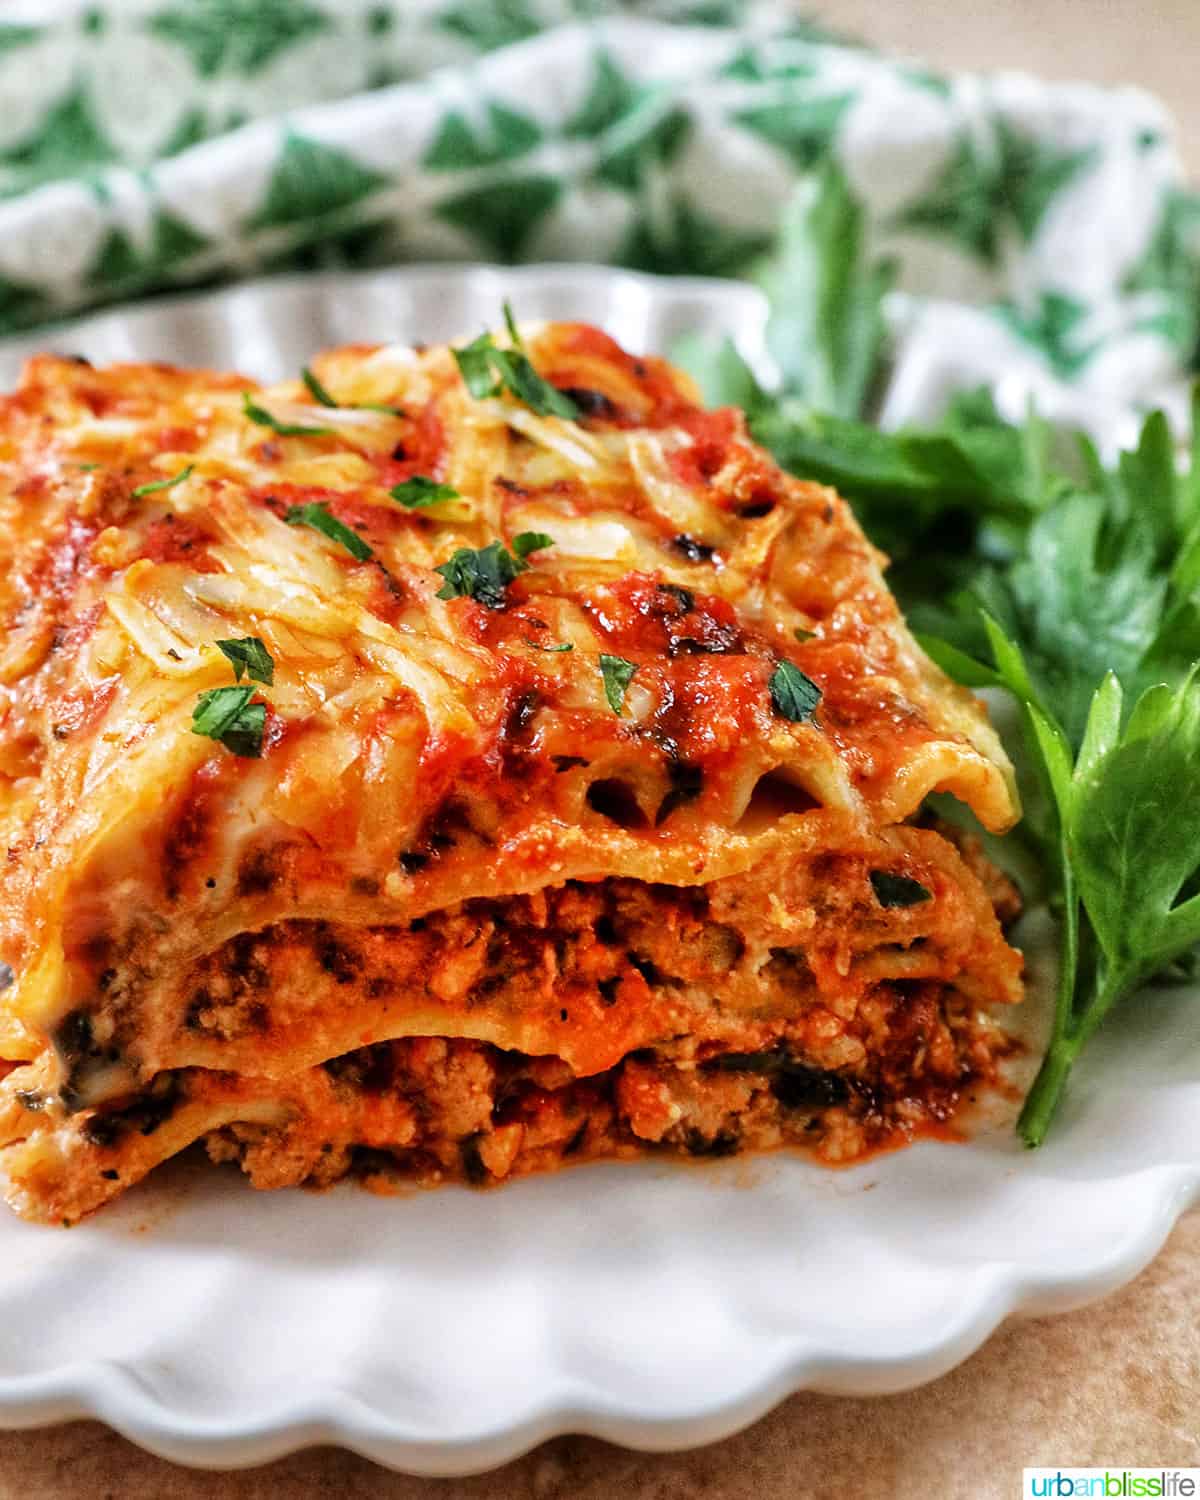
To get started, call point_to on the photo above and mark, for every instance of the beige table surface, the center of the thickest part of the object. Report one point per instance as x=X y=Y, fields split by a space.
x=1118 y=1383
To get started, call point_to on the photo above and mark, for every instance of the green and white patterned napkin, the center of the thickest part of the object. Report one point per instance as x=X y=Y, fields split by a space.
x=1042 y=234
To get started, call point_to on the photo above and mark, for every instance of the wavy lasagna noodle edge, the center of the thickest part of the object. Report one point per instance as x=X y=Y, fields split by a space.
x=483 y=903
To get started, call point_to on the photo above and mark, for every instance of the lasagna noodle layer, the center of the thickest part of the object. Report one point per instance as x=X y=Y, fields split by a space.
x=427 y=1110
x=581 y=1002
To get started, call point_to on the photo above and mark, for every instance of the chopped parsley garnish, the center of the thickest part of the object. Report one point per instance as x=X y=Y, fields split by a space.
x=617 y=674
x=803 y=635
x=320 y=518
x=264 y=418
x=898 y=890
x=526 y=542
x=794 y=694
x=475 y=366
x=164 y=484
x=320 y=394
x=484 y=574
x=249 y=655
x=537 y=645
x=86 y=468
x=421 y=490
x=227 y=714
x=487 y=370
x=316 y=390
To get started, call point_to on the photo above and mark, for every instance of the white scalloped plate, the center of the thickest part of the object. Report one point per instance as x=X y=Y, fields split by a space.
x=656 y=1305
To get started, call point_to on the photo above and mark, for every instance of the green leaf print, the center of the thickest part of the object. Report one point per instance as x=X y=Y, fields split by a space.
x=1009 y=181
x=807 y=29
x=803 y=126
x=750 y=65
x=21 y=306
x=117 y=262
x=610 y=97
x=925 y=78
x=172 y=239
x=1170 y=267
x=652 y=137
x=312 y=180
x=1036 y=173
x=12 y=36
x=962 y=204
x=704 y=13
x=125 y=266
x=239 y=36
x=66 y=143
x=505 y=135
x=687 y=241
x=1051 y=328
x=636 y=126
x=503 y=216
x=488 y=24
x=377 y=242
x=189 y=130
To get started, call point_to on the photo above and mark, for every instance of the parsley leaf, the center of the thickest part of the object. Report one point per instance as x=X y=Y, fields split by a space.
x=318 y=515
x=1033 y=567
x=537 y=645
x=420 y=490
x=539 y=395
x=1124 y=841
x=1134 y=839
x=249 y=655
x=484 y=574
x=481 y=574
x=1083 y=595
x=526 y=542
x=794 y=694
x=487 y=370
x=264 y=418
x=898 y=890
x=316 y=389
x=164 y=484
x=617 y=674
x=320 y=394
x=826 y=330
x=227 y=714
x=474 y=362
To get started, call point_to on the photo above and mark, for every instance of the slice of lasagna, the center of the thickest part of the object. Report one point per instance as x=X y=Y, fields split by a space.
x=459 y=763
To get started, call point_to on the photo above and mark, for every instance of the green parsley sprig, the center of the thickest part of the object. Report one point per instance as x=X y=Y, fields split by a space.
x=227 y=714
x=1034 y=568
x=487 y=370
x=794 y=694
x=484 y=573
x=318 y=517
x=898 y=890
x=617 y=674
x=164 y=484
x=263 y=418
x=420 y=491
x=248 y=656
x=322 y=397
